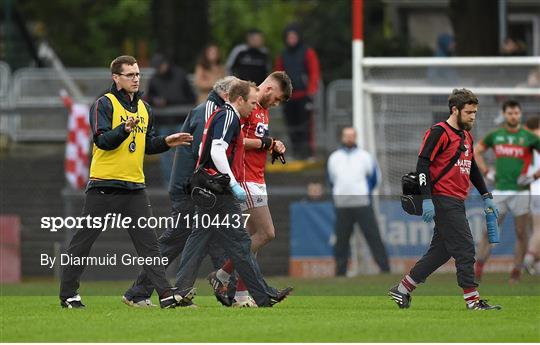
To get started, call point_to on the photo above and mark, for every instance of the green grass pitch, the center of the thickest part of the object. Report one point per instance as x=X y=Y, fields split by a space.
x=322 y=310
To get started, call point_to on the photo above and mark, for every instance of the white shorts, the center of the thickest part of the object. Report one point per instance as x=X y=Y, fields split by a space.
x=535 y=198
x=515 y=202
x=535 y=205
x=256 y=195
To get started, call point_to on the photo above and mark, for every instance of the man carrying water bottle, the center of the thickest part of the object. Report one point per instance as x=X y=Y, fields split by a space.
x=446 y=156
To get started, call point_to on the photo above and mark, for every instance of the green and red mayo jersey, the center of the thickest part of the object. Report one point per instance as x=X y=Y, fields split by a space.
x=513 y=152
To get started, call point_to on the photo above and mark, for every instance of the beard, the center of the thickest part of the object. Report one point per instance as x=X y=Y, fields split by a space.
x=512 y=124
x=463 y=125
x=265 y=101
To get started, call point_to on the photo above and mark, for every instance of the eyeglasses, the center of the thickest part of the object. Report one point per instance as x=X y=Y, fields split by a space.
x=131 y=76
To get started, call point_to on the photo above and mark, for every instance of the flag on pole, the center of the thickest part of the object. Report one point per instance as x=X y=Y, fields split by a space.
x=77 y=144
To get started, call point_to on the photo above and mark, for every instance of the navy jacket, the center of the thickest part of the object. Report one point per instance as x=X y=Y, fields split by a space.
x=185 y=157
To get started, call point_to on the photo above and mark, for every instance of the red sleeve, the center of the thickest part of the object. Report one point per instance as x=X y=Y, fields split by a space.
x=279 y=64
x=314 y=72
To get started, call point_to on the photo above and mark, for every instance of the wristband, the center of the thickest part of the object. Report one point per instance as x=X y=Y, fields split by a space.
x=487 y=196
x=267 y=143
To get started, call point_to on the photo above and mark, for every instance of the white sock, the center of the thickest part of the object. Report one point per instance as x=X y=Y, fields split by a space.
x=529 y=259
x=407 y=284
x=223 y=276
x=244 y=293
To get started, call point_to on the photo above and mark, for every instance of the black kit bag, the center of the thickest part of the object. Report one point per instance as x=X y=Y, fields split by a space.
x=411 y=197
x=206 y=184
x=205 y=187
x=216 y=183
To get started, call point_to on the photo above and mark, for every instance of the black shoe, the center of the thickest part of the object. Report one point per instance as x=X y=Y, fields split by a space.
x=225 y=300
x=220 y=289
x=403 y=300
x=174 y=297
x=138 y=302
x=482 y=304
x=72 y=302
x=281 y=295
x=187 y=303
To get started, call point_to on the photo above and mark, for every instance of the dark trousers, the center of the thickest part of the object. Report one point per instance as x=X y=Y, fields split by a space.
x=451 y=238
x=172 y=243
x=236 y=242
x=166 y=158
x=346 y=217
x=98 y=203
x=299 y=126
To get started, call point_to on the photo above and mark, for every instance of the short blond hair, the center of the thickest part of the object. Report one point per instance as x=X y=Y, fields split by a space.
x=241 y=88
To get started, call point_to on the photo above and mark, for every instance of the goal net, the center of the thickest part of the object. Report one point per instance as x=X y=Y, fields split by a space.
x=404 y=97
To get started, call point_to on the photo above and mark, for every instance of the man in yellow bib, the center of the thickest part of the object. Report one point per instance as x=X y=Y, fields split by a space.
x=122 y=127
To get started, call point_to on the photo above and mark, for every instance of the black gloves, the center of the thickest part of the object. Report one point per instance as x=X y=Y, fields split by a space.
x=279 y=156
x=267 y=143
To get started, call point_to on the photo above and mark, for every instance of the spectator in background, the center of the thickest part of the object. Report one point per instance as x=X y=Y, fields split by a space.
x=513 y=47
x=168 y=87
x=302 y=65
x=446 y=45
x=207 y=71
x=442 y=75
x=533 y=78
x=353 y=174
x=315 y=191
x=250 y=61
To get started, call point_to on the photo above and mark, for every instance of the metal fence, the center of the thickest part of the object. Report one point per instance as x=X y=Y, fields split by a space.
x=33 y=111
x=5 y=81
x=338 y=111
x=39 y=87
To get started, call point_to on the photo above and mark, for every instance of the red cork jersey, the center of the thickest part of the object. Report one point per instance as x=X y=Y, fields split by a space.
x=255 y=127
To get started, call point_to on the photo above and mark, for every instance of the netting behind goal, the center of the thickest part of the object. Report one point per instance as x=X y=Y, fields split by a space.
x=403 y=102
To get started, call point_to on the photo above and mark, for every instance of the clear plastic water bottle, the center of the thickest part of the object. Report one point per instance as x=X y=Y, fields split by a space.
x=492 y=226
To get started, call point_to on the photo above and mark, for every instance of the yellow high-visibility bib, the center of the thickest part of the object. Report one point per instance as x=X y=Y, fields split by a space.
x=120 y=163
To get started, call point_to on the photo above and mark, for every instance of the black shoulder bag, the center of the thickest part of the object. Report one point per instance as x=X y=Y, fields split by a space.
x=203 y=185
x=411 y=197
